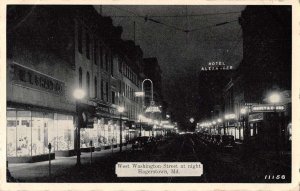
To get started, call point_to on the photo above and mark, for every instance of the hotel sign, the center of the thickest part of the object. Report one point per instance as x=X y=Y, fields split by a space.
x=216 y=65
x=27 y=77
x=267 y=108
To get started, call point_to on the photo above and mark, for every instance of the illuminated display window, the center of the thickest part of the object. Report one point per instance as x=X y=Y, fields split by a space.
x=101 y=135
x=30 y=132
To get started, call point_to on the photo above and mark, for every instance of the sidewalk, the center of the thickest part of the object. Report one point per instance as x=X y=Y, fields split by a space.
x=31 y=171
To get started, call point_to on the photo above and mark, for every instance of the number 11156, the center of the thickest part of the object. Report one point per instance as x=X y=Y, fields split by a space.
x=274 y=177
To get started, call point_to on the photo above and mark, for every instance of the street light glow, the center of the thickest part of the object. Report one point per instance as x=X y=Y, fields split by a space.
x=141 y=117
x=121 y=109
x=219 y=120
x=139 y=94
x=274 y=98
x=243 y=111
x=78 y=93
x=192 y=120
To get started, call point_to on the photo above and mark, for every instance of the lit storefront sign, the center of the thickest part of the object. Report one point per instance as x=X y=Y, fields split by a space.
x=256 y=117
x=230 y=116
x=139 y=94
x=27 y=77
x=169 y=126
x=267 y=108
x=152 y=109
x=164 y=122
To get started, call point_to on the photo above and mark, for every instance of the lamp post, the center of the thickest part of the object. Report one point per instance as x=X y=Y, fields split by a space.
x=274 y=99
x=219 y=122
x=78 y=95
x=243 y=113
x=121 y=110
x=140 y=119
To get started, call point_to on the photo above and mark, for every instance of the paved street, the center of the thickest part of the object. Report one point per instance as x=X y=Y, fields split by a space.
x=219 y=166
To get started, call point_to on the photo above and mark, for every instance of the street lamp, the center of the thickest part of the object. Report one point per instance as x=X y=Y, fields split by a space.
x=78 y=94
x=243 y=112
x=192 y=120
x=140 y=119
x=274 y=98
x=121 y=110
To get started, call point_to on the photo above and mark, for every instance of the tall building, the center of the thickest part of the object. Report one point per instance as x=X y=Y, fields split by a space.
x=265 y=71
x=53 y=51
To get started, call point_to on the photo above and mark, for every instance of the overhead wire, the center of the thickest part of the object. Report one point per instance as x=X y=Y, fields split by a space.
x=186 y=30
x=191 y=15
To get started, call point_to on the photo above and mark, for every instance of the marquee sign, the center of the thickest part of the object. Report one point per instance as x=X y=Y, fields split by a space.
x=152 y=109
x=216 y=65
x=31 y=78
x=267 y=108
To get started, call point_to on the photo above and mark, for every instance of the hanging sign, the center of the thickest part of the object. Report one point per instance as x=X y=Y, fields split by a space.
x=267 y=108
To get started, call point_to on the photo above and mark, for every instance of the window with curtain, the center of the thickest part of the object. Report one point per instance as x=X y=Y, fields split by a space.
x=79 y=39
x=107 y=94
x=80 y=77
x=102 y=89
x=95 y=88
x=87 y=45
x=88 y=83
x=101 y=57
x=95 y=52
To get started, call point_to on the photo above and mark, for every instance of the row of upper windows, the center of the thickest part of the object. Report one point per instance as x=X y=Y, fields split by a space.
x=102 y=93
x=132 y=111
x=100 y=55
x=129 y=93
x=127 y=71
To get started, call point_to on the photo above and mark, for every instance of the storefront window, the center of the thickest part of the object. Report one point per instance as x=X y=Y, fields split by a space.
x=65 y=132
x=11 y=130
x=38 y=134
x=30 y=132
x=84 y=138
x=24 y=133
x=49 y=125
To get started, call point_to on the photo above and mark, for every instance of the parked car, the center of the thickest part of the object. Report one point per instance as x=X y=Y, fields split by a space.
x=140 y=143
x=208 y=138
x=227 y=142
x=216 y=140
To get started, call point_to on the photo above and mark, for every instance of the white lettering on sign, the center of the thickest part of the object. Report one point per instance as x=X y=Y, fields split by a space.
x=219 y=63
x=268 y=108
x=216 y=65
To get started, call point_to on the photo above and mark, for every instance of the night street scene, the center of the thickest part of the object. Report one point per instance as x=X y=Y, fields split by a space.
x=148 y=93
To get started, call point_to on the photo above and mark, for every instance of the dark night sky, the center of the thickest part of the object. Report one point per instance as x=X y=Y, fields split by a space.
x=181 y=55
